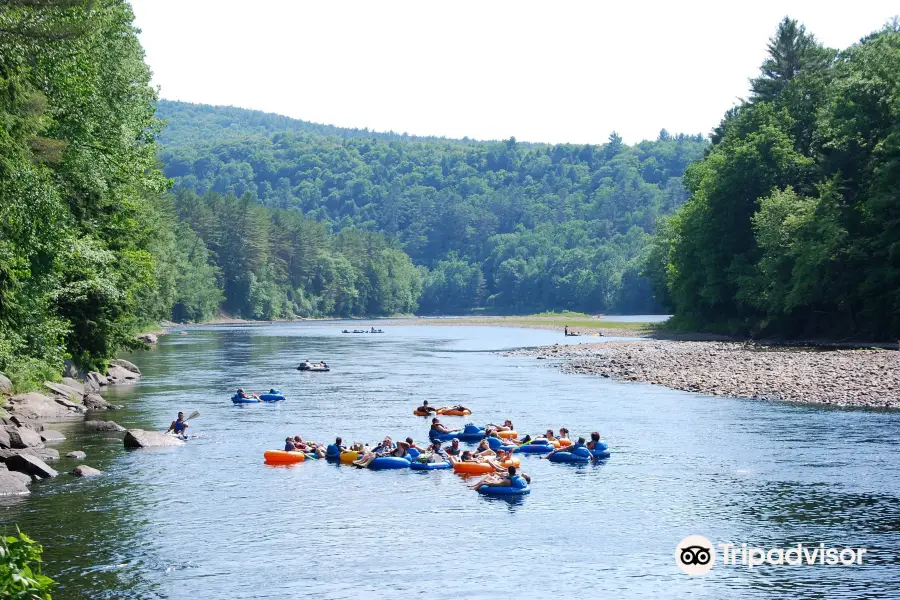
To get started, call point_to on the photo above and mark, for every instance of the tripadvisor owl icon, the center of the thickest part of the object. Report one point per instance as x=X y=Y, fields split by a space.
x=695 y=555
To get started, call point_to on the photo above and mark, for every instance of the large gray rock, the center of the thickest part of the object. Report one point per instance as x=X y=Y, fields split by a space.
x=65 y=391
x=73 y=406
x=23 y=477
x=148 y=338
x=77 y=454
x=6 y=386
x=74 y=384
x=138 y=438
x=25 y=463
x=121 y=375
x=95 y=402
x=118 y=362
x=103 y=426
x=5 y=442
x=39 y=407
x=93 y=381
x=85 y=471
x=72 y=371
x=22 y=437
x=45 y=454
x=11 y=484
x=51 y=435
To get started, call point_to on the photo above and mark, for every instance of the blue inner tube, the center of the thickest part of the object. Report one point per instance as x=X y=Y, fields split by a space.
x=271 y=397
x=498 y=444
x=389 y=462
x=238 y=400
x=577 y=455
x=601 y=451
x=419 y=466
x=534 y=449
x=504 y=491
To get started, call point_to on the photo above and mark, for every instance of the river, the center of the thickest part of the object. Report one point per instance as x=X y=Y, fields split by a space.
x=209 y=520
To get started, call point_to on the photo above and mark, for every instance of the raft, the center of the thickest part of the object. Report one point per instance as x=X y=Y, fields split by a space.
x=282 y=457
x=389 y=462
x=450 y=412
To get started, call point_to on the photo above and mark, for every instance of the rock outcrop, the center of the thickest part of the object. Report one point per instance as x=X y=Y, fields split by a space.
x=11 y=485
x=138 y=438
x=119 y=375
x=25 y=463
x=6 y=386
x=51 y=435
x=74 y=384
x=39 y=407
x=103 y=426
x=96 y=402
x=22 y=437
x=118 y=362
x=65 y=391
x=93 y=381
x=148 y=338
x=85 y=471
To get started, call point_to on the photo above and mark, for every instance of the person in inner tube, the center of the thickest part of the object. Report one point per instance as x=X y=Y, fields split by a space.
x=437 y=454
x=497 y=481
x=453 y=449
x=437 y=427
x=242 y=394
x=579 y=444
x=595 y=443
x=425 y=408
x=400 y=451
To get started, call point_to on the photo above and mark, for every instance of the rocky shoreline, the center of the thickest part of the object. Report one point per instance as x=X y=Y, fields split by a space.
x=867 y=378
x=27 y=434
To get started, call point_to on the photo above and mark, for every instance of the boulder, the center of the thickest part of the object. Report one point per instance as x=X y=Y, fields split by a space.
x=23 y=477
x=45 y=454
x=25 y=463
x=103 y=426
x=39 y=407
x=121 y=375
x=138 y=438
x=50 y=435
x=74 y=384
x=65 y=391
x=71 y=370
x=95 y=402
x=85 y=471
x=148 y=338
x=77 y=407
x=118 y=362
x=6 y=386
x=4 y=439
x=93 y=381
x=22 y=437
x=12 y=484
x=77 y=454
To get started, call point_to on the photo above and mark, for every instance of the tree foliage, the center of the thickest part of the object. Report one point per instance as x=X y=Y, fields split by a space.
x=792 y=224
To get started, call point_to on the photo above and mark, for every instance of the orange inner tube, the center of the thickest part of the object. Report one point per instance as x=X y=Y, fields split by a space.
x=565 y=442
x=508 y=435
x=420 y=413
x=280 y=457
x=479 y=468
x=450 y=412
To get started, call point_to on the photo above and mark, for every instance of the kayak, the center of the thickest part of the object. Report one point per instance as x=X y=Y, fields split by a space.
x=282 y=457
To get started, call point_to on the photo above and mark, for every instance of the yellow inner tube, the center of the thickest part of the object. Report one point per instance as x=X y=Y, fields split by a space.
x=349 y=456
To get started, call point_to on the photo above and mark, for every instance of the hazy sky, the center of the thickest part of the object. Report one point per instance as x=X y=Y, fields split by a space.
x=551 y=71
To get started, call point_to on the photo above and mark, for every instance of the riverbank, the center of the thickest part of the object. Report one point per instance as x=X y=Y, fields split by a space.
x=846 y=377
x=583 y=325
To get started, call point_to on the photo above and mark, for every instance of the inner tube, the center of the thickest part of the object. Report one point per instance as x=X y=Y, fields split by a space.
x=534 y=448
x=271 y=397
x=237 y=399
x=565 y=442
x=420 y=413
x=519 y=488
x=497 y=444
x=601 y=450
x=348 y=456
x=421 y=466
x=452 y=412
x=480 y=468
x=282 y=457
x=469 y=433
x=389 y=462
x=508 y=435
x=578 y=455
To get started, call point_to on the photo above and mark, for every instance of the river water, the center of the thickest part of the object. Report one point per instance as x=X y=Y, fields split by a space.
x=209 y=520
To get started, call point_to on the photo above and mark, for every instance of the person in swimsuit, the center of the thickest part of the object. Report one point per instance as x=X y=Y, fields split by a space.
x=178 y=426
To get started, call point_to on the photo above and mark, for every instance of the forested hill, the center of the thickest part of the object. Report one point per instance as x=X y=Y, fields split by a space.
x=189 y=124
x=494 y=224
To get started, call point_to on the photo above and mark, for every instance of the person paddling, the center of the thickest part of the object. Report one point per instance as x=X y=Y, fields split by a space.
x=179 y=425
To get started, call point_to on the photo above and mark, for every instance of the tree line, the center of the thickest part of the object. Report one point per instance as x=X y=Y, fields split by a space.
x=793 y=223
x=499 y=225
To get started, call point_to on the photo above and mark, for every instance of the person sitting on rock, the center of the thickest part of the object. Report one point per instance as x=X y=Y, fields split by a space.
x=179 y=425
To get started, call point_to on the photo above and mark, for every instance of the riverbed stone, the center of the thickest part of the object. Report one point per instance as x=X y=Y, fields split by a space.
x=63 y=390
x=119 y=362
x=12 y=484
x=96 y=402
x=74 y=384
x=93 y=381
x=85 y=471
x=22 y=437
x=139 y=438
x=117 y=375
x=25 y=463
x=39 y=407
x=77 y=454
x=148 y=338
x=51 y=435
x=103 y=426
x=6 y=386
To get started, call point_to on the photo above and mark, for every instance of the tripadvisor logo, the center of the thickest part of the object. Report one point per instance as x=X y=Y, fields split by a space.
x=695 y=555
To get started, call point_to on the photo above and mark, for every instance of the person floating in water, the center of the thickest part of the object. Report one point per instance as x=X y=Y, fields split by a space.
x=179 y=425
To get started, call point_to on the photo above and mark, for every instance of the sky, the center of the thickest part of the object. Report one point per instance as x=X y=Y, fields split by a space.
x=552 y=71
